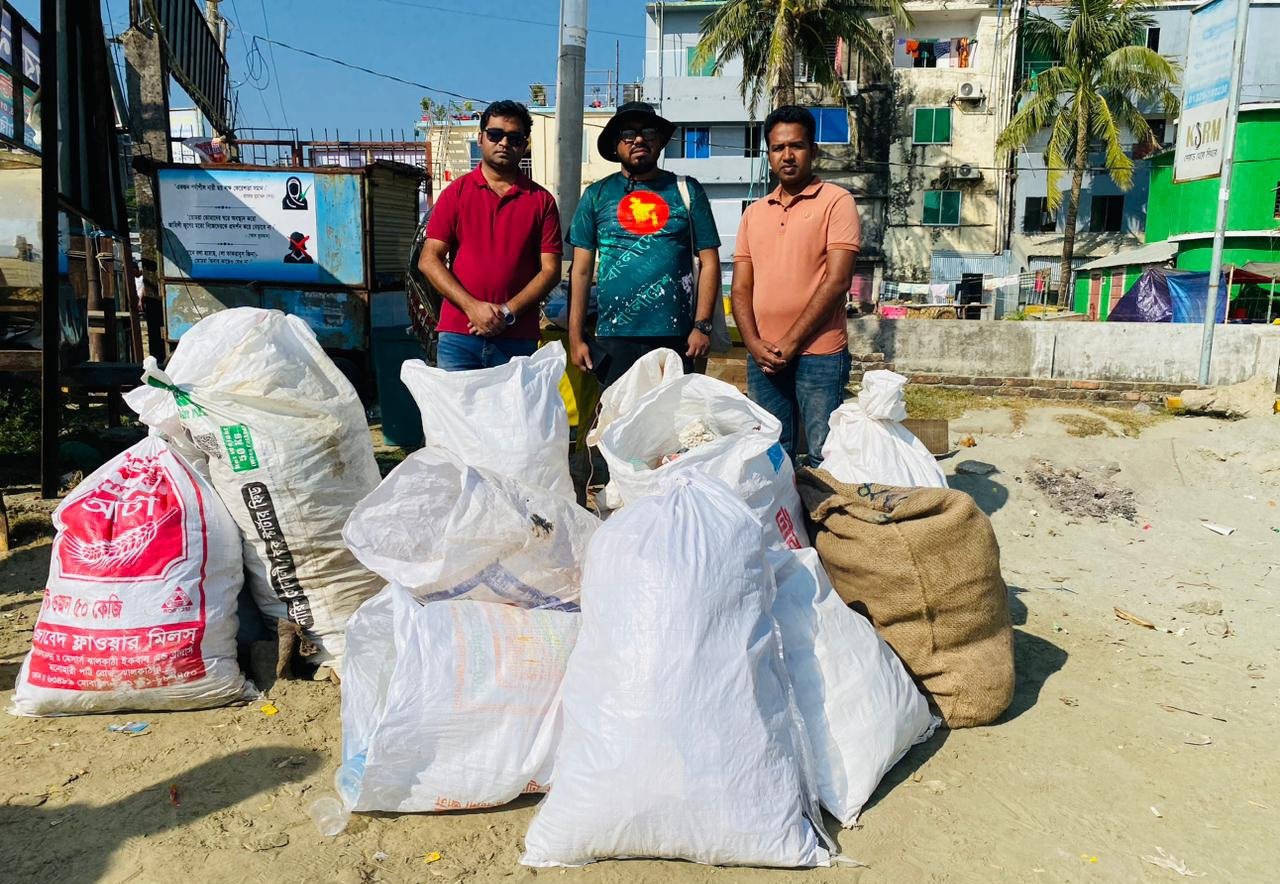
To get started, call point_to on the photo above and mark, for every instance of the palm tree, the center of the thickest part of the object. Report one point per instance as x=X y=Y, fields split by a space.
x=1101 y=75
x=771 y=36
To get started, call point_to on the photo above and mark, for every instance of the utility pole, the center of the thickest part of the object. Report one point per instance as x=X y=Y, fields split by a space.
x=218 y=26
x=148 y=76
x=52 y=23
x=1224 y=192
x=217 y=23
x=570 y=84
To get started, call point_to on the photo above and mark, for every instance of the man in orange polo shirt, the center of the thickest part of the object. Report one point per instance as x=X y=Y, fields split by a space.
x=791 y=274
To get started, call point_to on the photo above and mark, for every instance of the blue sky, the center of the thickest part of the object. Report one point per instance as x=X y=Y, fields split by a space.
x=486 y=49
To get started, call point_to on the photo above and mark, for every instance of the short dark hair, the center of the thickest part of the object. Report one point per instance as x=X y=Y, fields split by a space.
x=792 y=113
x=512 y=110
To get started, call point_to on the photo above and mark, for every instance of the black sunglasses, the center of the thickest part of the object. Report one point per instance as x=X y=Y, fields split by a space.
x=649 y=134
x=515 y=139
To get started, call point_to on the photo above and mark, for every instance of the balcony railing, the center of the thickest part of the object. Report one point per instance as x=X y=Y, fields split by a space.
x=601 y=90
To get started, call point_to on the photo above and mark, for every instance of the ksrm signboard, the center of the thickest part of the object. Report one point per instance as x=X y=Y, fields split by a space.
x=1206 y=87
x=246 y=225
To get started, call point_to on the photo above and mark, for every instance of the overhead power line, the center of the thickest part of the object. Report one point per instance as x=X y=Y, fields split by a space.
x=496 y=17
x=266 y=25
x=370 y=71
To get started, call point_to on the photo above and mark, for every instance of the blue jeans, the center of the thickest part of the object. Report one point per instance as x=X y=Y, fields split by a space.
x=457 y=352
x=802 y=395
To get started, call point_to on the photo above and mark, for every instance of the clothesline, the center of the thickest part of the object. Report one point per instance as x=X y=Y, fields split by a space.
x=941 y=292
x=947 y=52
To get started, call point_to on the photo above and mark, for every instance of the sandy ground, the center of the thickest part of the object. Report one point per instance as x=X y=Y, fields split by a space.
x=1122 y=741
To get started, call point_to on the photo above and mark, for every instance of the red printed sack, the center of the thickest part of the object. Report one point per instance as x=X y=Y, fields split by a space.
x=140 y=608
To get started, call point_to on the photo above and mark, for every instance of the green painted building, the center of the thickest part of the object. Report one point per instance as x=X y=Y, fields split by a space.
x=1185 y=213
x=1104 y=281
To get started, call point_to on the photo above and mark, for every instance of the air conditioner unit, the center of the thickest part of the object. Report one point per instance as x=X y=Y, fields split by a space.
x=850 y=88
x=969 y=90
x=965 y=172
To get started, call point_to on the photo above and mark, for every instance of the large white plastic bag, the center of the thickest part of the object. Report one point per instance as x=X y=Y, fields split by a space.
x=140 y=608
x=289 y=454
x=194 y=360
x=861 y=709
x=747 y=455
x=681 y=734
x=445 y=530
x=509 y=419
x=449 y=705
x=650 y=371
x=868 y=444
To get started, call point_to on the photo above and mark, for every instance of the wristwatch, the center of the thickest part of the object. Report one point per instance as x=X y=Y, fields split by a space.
x=507 y=315
x=703 y=325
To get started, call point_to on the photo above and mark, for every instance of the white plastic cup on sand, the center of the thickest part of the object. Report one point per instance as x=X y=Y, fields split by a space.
x=330 y=816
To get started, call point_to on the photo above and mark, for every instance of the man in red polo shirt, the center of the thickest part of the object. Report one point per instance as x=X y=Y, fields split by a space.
x=492 y=249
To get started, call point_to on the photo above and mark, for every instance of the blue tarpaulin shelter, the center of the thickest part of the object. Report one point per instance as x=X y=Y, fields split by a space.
x=1163 y=295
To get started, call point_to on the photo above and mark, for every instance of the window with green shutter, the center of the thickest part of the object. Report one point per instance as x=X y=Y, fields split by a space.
x=932 y=125
x=706 y=69
x=941 y=208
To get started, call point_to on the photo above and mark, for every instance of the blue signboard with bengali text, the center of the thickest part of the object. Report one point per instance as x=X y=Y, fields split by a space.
x=290 y=226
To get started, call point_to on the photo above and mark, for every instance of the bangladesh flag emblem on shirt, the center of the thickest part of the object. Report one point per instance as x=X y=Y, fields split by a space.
x=643 y=212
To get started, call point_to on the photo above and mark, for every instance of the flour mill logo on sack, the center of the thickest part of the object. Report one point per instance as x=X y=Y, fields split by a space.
x=643 y=212
x=177 y=601
x=130 y=527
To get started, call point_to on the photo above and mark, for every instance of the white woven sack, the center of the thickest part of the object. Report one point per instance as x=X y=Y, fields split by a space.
x=867 y=442
x=681 y=734
x=861 y=709
x=140 y=609
x=444 y=530
x=449 y=705
x=747 y=454
x=650 y=371
x=509 y=419
x=289 y=454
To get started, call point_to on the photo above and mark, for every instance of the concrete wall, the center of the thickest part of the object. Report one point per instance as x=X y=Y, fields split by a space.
x=1115 y=351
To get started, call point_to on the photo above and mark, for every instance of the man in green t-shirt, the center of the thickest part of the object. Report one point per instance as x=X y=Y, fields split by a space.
x=638 y=223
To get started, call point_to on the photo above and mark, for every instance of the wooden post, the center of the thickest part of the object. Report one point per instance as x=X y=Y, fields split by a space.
x=107 y=288
x=135 y=307
x=93 y=294
x=147 y=77
x=4 y=524
x=1231 y=276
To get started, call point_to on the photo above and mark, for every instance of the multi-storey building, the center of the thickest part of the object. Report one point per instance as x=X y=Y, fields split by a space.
x=719 y=142
x=917 y=144
x=953 y=74
x=1112 y=220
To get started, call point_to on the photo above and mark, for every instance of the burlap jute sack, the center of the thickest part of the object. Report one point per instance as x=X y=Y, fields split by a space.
x=925 y=565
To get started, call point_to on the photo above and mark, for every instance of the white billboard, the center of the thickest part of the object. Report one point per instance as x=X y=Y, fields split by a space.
x=1206 y=87
x=231 y=224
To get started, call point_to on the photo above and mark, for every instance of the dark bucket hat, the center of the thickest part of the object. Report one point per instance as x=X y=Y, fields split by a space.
x=644 y=115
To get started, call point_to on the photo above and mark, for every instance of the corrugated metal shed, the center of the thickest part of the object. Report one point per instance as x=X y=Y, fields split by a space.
x=1152 y=253
x=393 y=219
x=952 y=266
x=1053 y=264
